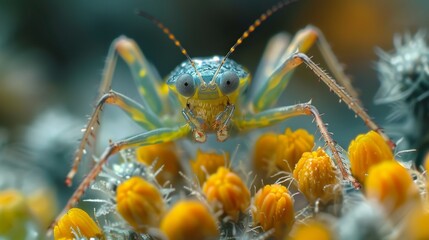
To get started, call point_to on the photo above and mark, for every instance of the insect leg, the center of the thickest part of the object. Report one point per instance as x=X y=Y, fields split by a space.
x=276 y=115
x=295 y=60
x=156 y=136
x=222 y=121
x=270 y=59
x=197 y=129
x=144 y=117
x=331 y=60
x=301 y=42
x=148 y=84
x=154 y=92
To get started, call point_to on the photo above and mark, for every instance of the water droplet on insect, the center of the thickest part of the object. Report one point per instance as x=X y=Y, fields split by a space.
x=340 y=100
x=84 y=151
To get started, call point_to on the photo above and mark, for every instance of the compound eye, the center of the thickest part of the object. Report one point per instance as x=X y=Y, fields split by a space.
x=185 y=85
x=229 y=82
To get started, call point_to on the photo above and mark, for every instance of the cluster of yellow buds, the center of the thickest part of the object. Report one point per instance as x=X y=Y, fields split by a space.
x=291 y=152
x=23 y=213
x=224 y=197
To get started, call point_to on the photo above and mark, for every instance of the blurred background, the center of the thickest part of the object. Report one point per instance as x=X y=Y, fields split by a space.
x=52 y=54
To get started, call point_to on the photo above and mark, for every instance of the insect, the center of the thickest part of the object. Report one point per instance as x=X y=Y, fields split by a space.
x=212 y=96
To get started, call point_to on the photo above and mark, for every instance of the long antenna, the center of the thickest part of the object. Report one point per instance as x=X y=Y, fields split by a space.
x=171 y=36
x=252 y=28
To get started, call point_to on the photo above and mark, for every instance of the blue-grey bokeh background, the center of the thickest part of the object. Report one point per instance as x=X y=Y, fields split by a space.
x=53 y=52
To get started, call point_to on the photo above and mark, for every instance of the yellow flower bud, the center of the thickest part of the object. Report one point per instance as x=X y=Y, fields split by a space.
x=43 y=204
x=316 y=176
x=139 y=203
x=210 y=162
x=390 y=184
x=77 y=221
x=365 y=151
x=13 y=211
x=273 y=209
x=291 y=146
x=311 y=230
x=227 y=188
x=166 y=156
x=416 y=227
x=264 y=154
x=281 y=151
x=189 y=220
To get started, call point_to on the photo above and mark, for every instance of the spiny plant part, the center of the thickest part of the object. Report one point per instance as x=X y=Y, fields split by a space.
x=404 y=79
x=212 y=96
